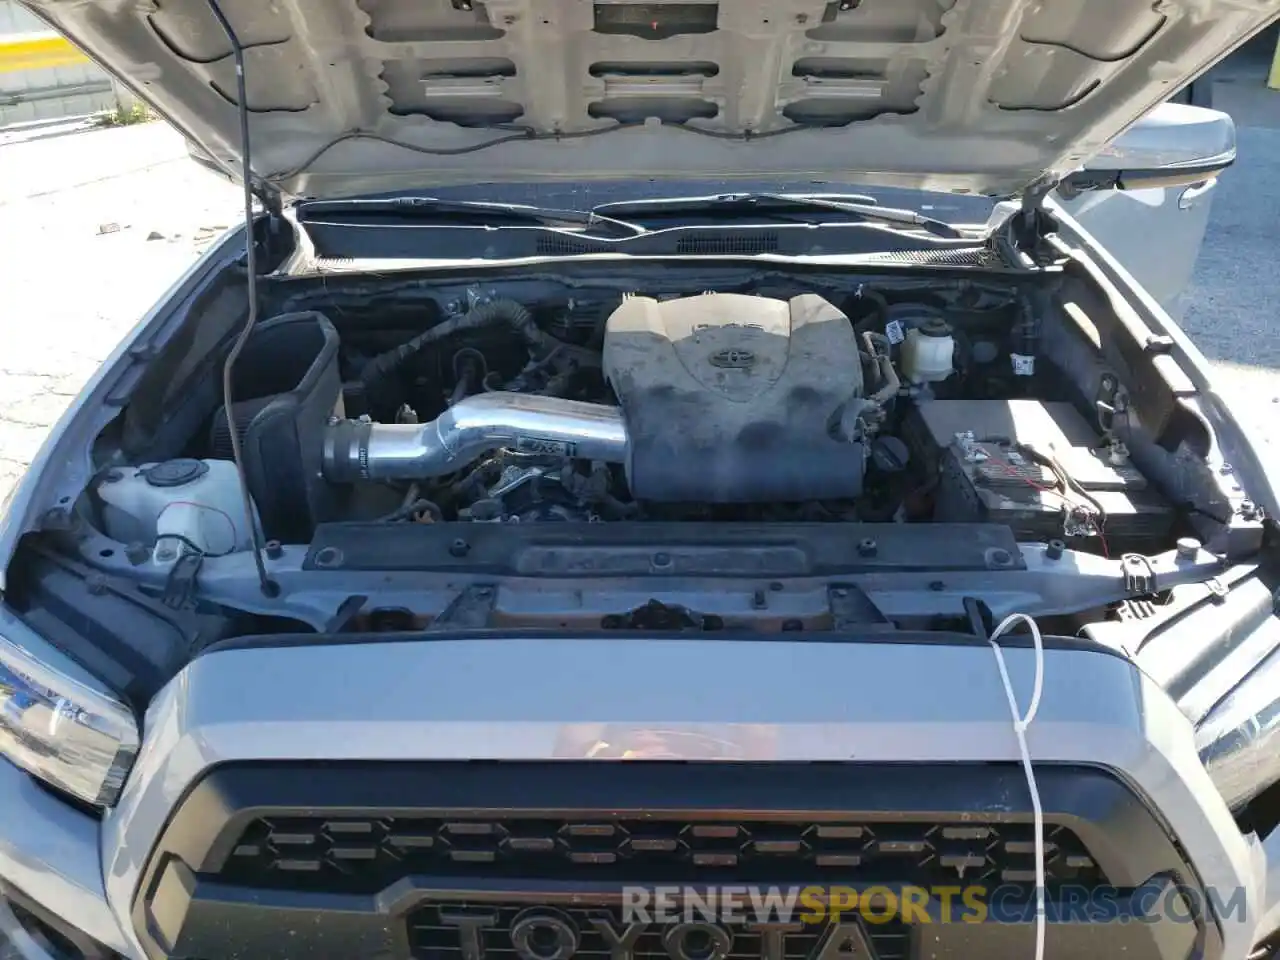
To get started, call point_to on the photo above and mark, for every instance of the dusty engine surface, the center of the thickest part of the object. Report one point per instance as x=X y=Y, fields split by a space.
x=730 y=398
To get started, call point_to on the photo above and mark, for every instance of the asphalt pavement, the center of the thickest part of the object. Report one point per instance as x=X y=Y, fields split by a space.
x=1232 y=309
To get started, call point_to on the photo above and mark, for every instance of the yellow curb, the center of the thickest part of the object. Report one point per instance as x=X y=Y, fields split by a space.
x=38 y=52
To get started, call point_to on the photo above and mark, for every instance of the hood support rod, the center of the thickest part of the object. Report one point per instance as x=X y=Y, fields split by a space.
x=268 y=586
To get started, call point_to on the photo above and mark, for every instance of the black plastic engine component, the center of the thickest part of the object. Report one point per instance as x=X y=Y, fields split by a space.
x=494 y=313
x=287 y=386
x=656 y=615
x=105 y=624
x=730 y=398
x=987 y=453
x=890 y=455
x=911 y=314
x=243 y=412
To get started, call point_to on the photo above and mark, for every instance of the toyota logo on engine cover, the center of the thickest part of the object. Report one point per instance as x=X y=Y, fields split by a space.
x=734 y=359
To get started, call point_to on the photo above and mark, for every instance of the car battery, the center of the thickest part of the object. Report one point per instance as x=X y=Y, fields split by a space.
x=972 y=448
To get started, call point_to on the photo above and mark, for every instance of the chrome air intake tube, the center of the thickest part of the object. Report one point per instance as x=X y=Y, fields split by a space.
x=358 y=450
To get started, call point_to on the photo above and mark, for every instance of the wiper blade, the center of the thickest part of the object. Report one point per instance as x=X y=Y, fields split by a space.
x=476 y=211
x=859 y=208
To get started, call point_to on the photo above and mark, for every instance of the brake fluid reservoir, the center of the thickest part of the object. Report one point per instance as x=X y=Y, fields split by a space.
x=928 y=352
x=196 y=503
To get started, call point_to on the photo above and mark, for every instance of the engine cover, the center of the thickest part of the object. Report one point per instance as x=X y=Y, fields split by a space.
x=728 y=398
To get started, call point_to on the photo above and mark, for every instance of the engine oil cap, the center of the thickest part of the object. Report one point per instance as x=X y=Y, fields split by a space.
x=175 y=473
x=890 y=454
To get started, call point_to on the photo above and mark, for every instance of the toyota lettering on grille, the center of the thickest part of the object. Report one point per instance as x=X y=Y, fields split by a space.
x=547 y=934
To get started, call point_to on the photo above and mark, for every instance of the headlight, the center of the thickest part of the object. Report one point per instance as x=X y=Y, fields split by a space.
x=74 y=737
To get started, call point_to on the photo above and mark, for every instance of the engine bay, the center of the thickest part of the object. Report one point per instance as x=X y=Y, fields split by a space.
x=773 y=402
x=600 y=448
x=908 y=457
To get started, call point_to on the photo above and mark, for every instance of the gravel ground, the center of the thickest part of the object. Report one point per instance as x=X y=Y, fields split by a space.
x=78 y=269
x=96 y=224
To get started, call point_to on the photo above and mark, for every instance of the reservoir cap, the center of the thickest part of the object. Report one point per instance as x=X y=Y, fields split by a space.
x=175 y=473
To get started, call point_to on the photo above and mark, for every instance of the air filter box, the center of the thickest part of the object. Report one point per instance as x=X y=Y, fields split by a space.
x=286 y=385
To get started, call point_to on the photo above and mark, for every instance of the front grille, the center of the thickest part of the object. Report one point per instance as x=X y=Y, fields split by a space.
x=434 y=935
x=367 y=854
x=435 y=860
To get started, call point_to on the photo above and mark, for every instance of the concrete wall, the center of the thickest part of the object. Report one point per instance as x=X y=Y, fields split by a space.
x=37 y=83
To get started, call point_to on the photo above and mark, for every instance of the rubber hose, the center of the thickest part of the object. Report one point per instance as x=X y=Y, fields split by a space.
x=408 y=510
x=878 y=345
x=880 y=310
x=491 y=314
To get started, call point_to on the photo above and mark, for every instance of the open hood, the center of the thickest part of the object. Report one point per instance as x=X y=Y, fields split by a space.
x=353 y=96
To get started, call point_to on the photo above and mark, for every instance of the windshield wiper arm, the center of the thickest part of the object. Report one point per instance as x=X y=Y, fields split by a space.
x=496 y=214
x=734 y=204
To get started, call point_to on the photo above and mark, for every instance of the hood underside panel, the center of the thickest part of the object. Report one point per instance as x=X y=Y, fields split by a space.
x=983 y=96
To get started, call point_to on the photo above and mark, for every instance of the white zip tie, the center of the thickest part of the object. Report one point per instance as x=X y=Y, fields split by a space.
x=1020 y=724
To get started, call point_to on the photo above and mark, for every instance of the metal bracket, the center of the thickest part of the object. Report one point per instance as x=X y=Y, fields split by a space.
x=1105 y=405
x=852 y=609
x=345 y=612
x=469 y=610
x=1139 y=576
x=180 y=586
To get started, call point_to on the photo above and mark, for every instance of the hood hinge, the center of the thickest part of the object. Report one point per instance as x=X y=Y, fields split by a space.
x=273 y=206
x=1030 y=224
x=269 y=197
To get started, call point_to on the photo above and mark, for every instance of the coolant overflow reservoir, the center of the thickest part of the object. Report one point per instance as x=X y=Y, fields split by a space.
x=928 y=352
x=176 y=503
